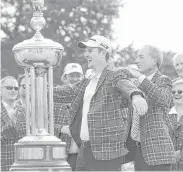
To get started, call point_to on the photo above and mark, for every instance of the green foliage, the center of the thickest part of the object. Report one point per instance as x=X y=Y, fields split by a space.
x=127 y=55
x=68 y=21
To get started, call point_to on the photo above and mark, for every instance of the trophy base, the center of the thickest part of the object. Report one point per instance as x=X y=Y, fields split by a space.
x=40 y=153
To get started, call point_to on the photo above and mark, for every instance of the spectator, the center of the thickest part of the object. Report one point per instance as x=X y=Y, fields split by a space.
x=176 y=116
x=155 y=150
x=22 y=90
x=13 y=125
x=72 y=74
x=178 y=64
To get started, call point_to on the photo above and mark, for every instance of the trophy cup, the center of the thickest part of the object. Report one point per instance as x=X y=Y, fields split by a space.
x=39 y=150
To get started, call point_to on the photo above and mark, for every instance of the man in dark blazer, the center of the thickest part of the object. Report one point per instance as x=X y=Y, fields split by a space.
x=155 y=150
x=103 y=106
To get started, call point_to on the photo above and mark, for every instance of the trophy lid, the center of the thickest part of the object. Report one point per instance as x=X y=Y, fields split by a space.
x=38 y=50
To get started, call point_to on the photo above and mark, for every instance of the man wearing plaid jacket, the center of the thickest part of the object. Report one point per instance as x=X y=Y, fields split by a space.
x=105 y=102
x=12 y=118
x=155 y=150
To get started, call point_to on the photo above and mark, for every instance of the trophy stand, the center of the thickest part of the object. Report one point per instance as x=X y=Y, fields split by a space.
x=39 y=150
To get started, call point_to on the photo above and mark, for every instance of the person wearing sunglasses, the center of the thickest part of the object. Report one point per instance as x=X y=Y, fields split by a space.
x=176 y=116
x=13 y=125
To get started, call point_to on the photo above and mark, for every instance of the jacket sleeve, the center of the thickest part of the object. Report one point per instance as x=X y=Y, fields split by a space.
x=125 y=85
x=7 y=131
x=21 y=122
x=62 y=117
x=63 y=94
x=159 y=95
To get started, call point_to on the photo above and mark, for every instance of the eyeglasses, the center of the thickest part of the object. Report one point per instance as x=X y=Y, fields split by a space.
x=24 y=86
x=11 y=88
x=178 y=91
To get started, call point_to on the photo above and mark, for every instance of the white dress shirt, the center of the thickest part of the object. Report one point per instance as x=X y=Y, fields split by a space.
x=89 y=92
x=173 y=111
x=11 y=111
x=74 y=147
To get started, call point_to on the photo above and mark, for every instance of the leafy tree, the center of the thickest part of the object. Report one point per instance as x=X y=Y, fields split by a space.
x=127 y=55
x=68 y=21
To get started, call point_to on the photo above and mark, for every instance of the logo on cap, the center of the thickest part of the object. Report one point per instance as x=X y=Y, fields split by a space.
x=74 y=66
x=102 y=44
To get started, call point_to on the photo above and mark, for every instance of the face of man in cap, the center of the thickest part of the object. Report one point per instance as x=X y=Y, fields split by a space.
x=178 y=64
x=95 y=57
x=73 y=78
x=144 y=61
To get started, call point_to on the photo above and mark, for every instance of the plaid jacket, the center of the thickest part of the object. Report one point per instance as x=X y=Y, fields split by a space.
x=156 y=144
x=177 y=137
x=62 y=117
x=11 y=132
x=108 y=116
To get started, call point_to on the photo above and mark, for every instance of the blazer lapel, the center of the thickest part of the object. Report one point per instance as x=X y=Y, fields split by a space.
x=4 y=115
x=156 y=75
x=80 y=90
x=6 y=121
x=180 y=122
x=102 y=78
x=173 y=119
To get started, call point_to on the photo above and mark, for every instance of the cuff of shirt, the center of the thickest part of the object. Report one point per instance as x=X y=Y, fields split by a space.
x=141 y=78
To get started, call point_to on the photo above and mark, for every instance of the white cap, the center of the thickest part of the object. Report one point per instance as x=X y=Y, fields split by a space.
x=97 y=41
x=71 y=68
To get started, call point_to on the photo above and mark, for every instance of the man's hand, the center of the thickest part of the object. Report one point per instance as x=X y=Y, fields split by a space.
x=139 y=105
x=135 y=73
x=177 y=156
x=65 y=130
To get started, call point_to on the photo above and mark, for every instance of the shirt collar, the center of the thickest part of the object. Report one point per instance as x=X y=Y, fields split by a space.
x=7 y=106
x=92 y=75
x=151 y=76
x=173 y=110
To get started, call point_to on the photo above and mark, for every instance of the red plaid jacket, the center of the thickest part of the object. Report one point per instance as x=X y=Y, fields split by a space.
x=156 y=144
x=176 y=131
x=62 y=117
x=11 y=132
x=108 y=116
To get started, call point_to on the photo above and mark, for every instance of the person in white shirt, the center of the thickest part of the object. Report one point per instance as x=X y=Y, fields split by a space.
x=176 y=116
x=100 y=109
x=155 y=150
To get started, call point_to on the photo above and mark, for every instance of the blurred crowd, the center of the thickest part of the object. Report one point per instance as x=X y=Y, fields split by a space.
x=155 y=145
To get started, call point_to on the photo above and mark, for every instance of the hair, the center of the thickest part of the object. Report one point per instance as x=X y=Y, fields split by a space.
x=156 y=54
x=107 y=54
x=177 y=55
x=6 y=78
x=177 y=81
x=20 y=78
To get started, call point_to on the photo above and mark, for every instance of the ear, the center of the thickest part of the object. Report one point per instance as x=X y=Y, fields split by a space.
x=103 y=52
x=155 y=61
